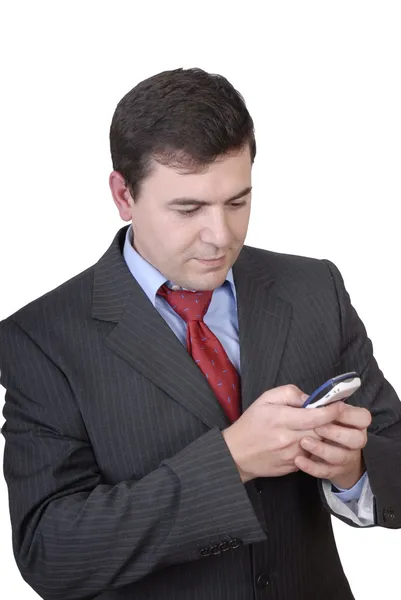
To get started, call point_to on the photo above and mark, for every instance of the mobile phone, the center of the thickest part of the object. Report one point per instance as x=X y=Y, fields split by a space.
x=338 y=388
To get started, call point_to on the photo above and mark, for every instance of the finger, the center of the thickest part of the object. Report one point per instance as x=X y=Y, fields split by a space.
x=314 y=417
x=355 y=416
x=333 y=455
x=308 y=433
x=351 y=438
x=320 y=470
x=286 y=395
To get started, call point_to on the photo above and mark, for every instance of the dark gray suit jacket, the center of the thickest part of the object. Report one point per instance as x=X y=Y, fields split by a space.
x=120 y=482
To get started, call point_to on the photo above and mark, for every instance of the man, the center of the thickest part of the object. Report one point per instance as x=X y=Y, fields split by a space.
x=156 y=444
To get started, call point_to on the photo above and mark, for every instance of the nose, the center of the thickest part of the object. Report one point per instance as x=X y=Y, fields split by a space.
x=216 y=231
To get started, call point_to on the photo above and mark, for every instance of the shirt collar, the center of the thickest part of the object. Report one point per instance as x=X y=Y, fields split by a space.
x=148 y=277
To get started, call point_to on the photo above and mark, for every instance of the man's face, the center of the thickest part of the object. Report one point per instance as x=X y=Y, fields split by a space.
x=181 y=220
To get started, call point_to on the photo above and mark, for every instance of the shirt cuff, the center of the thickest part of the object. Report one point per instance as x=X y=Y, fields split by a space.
x=353 y=493
x=360 y=512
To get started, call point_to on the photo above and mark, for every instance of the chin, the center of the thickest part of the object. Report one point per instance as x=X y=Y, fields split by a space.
x=209 y=282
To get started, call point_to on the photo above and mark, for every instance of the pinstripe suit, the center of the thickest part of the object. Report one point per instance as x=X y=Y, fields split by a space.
x=120 y=483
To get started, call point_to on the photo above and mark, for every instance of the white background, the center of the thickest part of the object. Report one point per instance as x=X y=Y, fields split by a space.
x=322 y=82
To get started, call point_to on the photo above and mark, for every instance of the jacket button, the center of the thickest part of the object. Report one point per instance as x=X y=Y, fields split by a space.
x=388 y=514
x=235 y=543
x=214 y=550
x=262 y=581
x=224 y=546
x=205 y=552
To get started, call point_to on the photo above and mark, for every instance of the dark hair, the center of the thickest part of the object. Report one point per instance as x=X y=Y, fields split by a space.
x=184 y=118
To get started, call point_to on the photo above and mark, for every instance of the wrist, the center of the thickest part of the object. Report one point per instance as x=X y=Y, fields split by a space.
x=348 y=480
x=236 y=454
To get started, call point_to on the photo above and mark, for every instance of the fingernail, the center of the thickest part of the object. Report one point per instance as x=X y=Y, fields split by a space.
x=308 y=443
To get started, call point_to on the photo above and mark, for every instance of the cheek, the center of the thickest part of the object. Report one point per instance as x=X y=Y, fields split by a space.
x=183 y=236
x=238 y=225
x=242 y=225
x=177 y=245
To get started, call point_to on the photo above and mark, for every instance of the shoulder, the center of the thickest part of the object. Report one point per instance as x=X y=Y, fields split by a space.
x=294 y=272
x=69 y=302
x=72 y=300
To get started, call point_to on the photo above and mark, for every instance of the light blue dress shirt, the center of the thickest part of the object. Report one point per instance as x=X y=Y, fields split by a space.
x=221 y=318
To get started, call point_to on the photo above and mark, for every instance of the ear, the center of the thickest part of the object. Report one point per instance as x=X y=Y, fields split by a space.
x=121 y=195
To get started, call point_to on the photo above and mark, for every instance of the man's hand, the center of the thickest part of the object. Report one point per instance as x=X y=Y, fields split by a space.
x=266 y=439
x=338 y=457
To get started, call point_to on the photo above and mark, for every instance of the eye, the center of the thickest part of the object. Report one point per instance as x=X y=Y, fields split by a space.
x=187 y=213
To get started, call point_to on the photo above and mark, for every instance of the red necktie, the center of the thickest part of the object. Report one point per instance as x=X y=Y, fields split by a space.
x=205 y=348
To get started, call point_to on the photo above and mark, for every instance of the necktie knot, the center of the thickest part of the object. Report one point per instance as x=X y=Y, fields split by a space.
x=190 y=306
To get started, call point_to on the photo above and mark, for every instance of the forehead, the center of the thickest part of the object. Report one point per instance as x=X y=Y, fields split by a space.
x=224 y=177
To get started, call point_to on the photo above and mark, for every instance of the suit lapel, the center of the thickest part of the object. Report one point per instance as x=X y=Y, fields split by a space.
x=264 y=319
x=143 y=339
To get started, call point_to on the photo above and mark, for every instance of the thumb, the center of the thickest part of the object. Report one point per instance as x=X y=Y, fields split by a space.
x=286 y=395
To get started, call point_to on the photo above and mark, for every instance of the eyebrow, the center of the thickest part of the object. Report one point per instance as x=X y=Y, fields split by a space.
x=185 y=201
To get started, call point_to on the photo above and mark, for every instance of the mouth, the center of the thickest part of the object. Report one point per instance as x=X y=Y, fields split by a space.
x=214 y=262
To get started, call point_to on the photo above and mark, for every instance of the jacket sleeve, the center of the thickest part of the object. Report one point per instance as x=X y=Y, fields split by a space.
x=382 y=454
x=74 y=536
